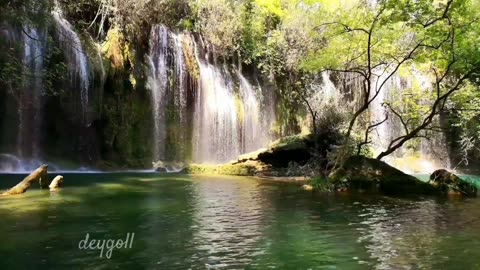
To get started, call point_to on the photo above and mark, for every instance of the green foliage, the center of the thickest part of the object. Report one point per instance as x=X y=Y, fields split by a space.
x=321 y=184
x=465 y=119
x=218 y=21
x=20 y=17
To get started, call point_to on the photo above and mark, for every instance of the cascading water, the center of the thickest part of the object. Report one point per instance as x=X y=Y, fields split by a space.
x=217 y=134
x=255 y=122
x=31 y=101
x=168 y=81
x=324 y=93
x=30 y=97
x=228 y=122
x=223 y=112
x=158 y=82
x=383 y=134
x=77 y=60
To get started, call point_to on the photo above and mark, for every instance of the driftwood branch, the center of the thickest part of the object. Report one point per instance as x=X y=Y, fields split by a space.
x=39 y=175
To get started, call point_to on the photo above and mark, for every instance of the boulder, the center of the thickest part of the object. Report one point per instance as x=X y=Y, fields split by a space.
x=280 y=153
x=56 y=183
x=448 y=182
x=367 y=174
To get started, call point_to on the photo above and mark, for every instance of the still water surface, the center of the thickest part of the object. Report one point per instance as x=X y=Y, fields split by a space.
x=186 y=222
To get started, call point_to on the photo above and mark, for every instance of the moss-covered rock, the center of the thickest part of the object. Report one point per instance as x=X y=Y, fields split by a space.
x=281 y=158
x=361 y=173
x=282 y=152
x=448 y=182
x=248 y=168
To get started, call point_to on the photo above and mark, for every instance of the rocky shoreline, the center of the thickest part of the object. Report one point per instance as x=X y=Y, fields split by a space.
x=289 y=160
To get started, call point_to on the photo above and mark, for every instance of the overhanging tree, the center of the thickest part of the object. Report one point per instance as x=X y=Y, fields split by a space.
x=376 y=41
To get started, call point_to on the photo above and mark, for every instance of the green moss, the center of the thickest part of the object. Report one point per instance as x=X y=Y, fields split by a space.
x=118 y=51
x=298 y=141
x=225 y=169
x=239 y=109
x=190 y=60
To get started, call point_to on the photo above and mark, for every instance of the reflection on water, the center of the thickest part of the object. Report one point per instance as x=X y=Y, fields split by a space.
x=182 y=222
x=228 y=222
x=397 y=235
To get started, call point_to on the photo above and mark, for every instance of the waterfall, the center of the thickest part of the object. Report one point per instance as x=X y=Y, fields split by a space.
x=77 y=60
x=231 y=116
x=255 y=120
x=431 y=153
x=391 y=128
x=168 y=81
x=158 y=82
x=213 y=108
x=31 y=99
x=217 y=137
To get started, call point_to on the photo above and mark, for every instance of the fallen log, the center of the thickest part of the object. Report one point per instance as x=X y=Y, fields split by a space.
x=40 y=175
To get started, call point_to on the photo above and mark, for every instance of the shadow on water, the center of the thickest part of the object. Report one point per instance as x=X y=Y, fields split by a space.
x=192 y=222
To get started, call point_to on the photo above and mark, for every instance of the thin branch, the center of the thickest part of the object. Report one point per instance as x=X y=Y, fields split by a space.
x=444 y=15
x=404 y=124
x=367 y=132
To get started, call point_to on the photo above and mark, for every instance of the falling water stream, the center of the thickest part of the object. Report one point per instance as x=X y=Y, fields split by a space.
x=71 y=45
x=158 y=81
x=230 y=115
x=31 y=105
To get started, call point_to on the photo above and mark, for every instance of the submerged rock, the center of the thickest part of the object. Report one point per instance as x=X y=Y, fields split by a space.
x=448 y=182
x=361 y=173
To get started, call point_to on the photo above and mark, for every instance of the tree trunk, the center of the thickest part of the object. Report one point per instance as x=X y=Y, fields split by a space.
x=40 y=175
